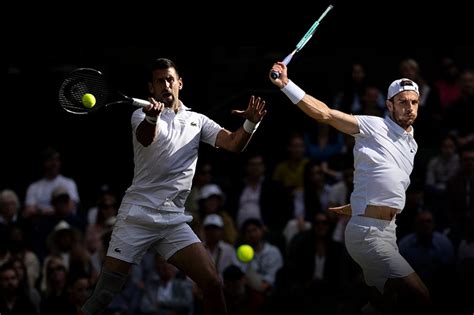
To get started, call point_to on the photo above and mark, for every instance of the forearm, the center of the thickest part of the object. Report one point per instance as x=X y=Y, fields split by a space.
x=307 y=103
x=238 y=140
x=146 y=132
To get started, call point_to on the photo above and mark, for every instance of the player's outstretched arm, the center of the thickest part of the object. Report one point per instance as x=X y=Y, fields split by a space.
x=237 y=141
x=322 y=113
x=310 y=105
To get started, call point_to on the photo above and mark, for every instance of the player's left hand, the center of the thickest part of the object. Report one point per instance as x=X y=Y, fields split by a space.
x=255 y=110
x=342 y=210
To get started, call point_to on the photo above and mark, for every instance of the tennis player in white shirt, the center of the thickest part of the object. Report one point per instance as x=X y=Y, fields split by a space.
x=383 y=160
x=166 y=138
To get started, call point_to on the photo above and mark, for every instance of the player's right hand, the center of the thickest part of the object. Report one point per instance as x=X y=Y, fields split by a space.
x=154 y=109
x=281 y=68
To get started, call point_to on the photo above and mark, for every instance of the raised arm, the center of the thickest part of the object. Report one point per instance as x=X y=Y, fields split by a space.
x=237 y=141
x=311 y=106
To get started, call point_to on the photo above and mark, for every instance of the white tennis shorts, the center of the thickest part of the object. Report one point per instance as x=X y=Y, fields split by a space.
x=138 y=228
x=372 y=243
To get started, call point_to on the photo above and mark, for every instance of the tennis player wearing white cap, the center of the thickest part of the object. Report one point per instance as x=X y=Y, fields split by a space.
x=383 y=160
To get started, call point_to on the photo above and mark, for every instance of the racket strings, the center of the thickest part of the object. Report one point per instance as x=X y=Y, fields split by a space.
x=78 y=83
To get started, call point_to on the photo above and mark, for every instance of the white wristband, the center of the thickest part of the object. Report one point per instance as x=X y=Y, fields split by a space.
x=151 y=120
x=294 y=92
x=249 y=126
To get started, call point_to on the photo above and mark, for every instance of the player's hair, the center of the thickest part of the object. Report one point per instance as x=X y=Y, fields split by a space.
x=160 y=64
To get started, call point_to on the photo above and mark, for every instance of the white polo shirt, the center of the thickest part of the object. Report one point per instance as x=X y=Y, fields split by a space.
x=164 y=170
x=383 y=160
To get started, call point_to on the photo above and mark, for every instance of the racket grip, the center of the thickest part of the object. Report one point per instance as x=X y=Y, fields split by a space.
x=139 y=102
x=275 y=75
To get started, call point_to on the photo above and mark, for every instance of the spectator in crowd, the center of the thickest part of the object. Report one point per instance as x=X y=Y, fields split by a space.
x=13 y=299
x=38 y=194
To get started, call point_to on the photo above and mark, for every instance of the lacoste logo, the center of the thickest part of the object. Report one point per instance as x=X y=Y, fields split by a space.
x=193 y=124
x=117 y=250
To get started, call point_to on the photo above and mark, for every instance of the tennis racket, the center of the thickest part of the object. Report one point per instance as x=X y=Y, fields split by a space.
x=303 y=41
x=90 y=81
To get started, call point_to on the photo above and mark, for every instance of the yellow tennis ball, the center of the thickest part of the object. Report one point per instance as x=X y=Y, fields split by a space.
x=245 y=253
x=88 y=100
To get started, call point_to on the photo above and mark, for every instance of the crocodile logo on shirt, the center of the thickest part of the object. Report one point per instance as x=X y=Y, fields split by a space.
x=194 y=124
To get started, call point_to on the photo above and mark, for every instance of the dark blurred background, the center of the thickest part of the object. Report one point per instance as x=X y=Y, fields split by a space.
x=224 y=53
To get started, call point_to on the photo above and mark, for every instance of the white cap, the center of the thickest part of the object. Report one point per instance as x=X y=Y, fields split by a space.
x=62 y=225
x=213 y=219
x=210 y=190
x=401 y=85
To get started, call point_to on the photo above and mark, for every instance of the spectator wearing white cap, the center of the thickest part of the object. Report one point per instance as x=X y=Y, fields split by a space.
x=213 y=220
x=63 y=210
x=221 y=252
x=211 y=200
x=384 y=155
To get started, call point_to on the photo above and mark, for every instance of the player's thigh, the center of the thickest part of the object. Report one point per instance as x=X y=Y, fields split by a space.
x=195 y=261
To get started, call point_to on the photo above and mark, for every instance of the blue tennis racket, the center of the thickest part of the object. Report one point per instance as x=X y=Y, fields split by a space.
x=303 y=41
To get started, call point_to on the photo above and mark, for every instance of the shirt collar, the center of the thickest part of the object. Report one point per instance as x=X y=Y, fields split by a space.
x=397 y=129
x=181 y=107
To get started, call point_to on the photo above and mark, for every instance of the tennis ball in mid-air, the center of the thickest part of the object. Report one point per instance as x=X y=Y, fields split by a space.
x=88 y=100
x=245 y=253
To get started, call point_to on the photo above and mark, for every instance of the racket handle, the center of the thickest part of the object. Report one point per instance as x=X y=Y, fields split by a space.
x=275 y=75
x=139 y=102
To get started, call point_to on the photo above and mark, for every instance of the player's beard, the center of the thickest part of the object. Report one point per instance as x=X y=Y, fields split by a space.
x=403 y=122
x=169 y=103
